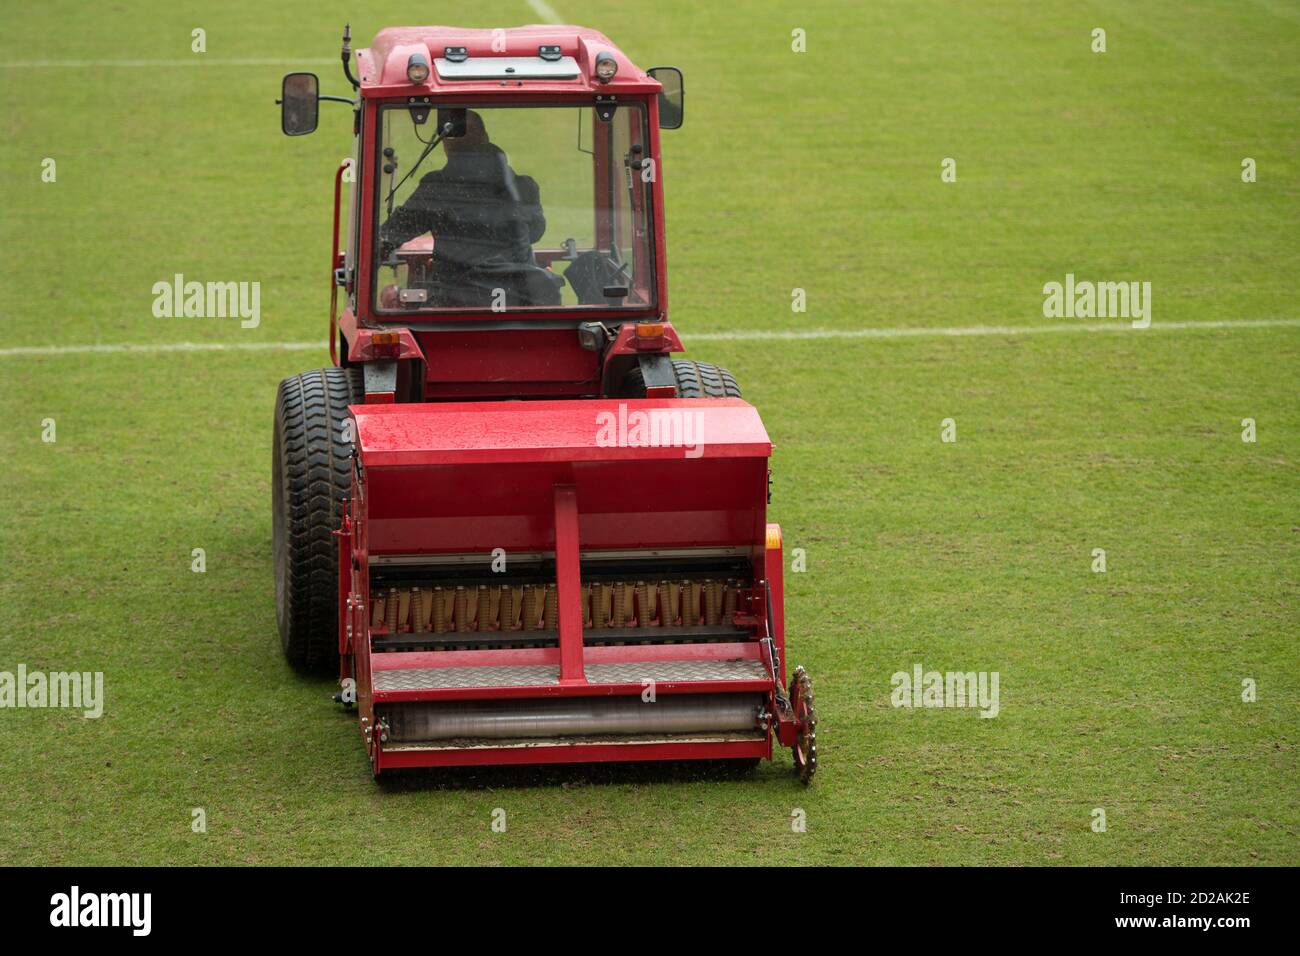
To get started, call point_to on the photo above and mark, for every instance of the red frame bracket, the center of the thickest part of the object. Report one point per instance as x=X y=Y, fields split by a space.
x=568 y=584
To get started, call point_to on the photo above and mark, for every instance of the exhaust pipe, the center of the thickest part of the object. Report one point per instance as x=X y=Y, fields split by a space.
x=574 y=717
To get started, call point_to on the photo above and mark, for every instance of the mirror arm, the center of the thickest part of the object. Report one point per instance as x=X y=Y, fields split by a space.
x=332 y=99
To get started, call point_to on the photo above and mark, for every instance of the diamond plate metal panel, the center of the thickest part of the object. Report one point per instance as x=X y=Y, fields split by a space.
x=666 y=671
x=532 y=675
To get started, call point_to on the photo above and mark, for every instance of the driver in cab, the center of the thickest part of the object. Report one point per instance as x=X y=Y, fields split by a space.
x=483 y=216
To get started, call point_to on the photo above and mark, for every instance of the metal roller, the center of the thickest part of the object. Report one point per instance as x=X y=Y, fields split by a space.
x=574 y=716
x=712 y=602
x=532 y=606
x=391 y=604
x=507 y=613
x=551 y=608
x=691 y=593
x=618 y=617
x=461 y=608
x=669 y=603
x=418 y=618
x=442 y=610
x=645 y=605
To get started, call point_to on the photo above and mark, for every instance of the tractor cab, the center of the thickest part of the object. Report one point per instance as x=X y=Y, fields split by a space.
x=508 y=206
x=500 y=177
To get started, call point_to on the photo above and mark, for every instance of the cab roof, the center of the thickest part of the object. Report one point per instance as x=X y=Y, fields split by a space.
x=492 y=61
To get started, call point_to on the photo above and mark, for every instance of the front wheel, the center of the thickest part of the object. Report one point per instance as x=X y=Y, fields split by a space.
x=311 y=474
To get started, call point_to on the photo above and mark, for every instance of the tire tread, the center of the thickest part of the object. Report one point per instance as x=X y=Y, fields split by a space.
x=315 y=464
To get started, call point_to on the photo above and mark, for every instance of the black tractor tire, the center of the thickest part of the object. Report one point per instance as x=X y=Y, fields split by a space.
x=311 y=474
x=694 y=380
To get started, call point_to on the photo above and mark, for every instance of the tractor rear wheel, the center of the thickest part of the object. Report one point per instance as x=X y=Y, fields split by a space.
x=694 y=380
x=311 y=472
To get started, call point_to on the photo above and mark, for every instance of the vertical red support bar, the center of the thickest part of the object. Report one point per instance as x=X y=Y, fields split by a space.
x=602 y=183
x=773 y=570
x=344 y=536
x=334 y=264
x=568 y=585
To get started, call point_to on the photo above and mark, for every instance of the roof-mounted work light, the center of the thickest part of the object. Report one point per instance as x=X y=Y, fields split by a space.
x=417 y=68
x=606 y=67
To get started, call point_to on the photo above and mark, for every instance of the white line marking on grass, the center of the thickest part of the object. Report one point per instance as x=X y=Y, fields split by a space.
x=196 y=60
x=545 y=11
x=973 y=330
x=754 y=335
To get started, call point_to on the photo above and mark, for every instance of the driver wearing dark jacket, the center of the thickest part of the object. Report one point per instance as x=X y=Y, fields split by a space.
x=479 y=211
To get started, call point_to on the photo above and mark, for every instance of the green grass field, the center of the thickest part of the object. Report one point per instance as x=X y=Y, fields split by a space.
x=816 y=170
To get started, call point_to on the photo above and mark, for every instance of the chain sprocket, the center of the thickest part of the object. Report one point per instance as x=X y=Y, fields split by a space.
x=805 y=714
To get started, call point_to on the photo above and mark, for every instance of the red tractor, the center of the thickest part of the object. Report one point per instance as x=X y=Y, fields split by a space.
x=517 y=529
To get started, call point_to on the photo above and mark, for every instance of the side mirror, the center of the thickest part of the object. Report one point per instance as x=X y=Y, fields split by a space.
x=299 y=104
x=672 y=101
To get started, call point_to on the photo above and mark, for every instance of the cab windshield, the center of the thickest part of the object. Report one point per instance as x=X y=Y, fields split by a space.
x=513 y=207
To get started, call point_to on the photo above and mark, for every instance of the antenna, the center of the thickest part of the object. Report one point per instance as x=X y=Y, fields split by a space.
x=347 y=55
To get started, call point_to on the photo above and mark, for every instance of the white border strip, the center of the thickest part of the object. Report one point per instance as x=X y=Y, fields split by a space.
x=753 y=335
x=972 y=330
